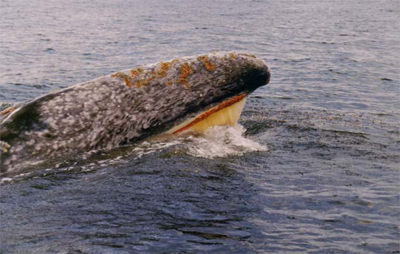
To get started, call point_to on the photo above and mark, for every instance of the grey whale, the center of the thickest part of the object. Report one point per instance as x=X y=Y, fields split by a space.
x=125 y=107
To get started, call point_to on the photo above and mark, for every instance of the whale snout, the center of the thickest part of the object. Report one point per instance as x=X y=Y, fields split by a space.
x=258 y=74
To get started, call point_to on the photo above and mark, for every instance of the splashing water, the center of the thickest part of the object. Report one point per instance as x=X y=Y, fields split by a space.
x=218 y=141
x=222 y=141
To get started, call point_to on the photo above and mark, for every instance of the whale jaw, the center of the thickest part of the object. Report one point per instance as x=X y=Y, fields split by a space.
x=226 y=113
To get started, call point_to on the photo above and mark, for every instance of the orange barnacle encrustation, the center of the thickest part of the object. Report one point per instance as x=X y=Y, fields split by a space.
x=165 y=66
x=134 y=73
x=116 y=75
x=126 y=78
x=186 y=71
x=208 y=64
x=160 y=73
x=153 y=75
x=143 y=82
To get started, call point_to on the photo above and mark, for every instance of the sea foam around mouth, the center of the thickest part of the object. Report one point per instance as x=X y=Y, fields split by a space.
x=222 y=141
x=218 y=141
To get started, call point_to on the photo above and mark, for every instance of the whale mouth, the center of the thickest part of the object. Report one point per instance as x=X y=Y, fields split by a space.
x=225 y=113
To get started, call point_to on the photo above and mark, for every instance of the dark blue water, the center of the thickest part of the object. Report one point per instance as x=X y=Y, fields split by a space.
x=328 y=183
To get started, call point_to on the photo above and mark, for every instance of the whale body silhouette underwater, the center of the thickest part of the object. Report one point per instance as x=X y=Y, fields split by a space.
x=181 y=95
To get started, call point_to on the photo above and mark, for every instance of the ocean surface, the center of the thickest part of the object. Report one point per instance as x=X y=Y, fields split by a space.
x=314 y=166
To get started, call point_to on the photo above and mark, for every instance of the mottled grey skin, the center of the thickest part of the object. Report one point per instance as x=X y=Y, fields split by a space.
x=124 y=107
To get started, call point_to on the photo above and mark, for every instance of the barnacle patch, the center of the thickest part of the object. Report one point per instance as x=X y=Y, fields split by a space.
x=125 y=77
x=233 y=56
x=134 y=73
x=186 y=71
x=154 y=75
x=142 y=82
x=161 y=72
x=208 y=64
x=165 y=66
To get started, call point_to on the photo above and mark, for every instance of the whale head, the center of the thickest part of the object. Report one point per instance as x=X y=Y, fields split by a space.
x=181 y=95
x=196 y=93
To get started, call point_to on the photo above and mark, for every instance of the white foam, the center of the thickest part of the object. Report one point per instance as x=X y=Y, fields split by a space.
x=222 y=141
x=218 y=141
x=153 y=146
x=5 y=180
